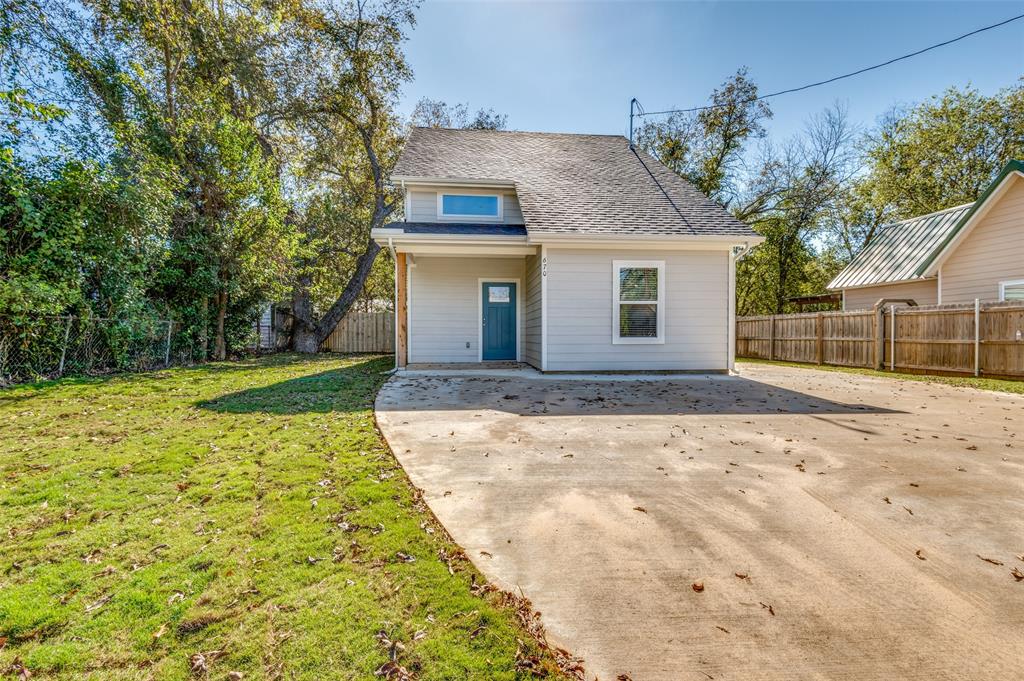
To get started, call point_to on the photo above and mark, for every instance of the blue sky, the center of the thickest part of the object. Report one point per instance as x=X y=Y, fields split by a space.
x=573 y=67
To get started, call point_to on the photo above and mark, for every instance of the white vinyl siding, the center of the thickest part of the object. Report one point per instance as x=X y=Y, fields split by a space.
x=532 y=320
x=444 y=305
x=923 y=292
x=579 y=312
x=991 y=253
x=423 y=204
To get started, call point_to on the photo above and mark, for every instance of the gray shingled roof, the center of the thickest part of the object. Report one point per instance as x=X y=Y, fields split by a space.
x=566 y=184
x=899 y=250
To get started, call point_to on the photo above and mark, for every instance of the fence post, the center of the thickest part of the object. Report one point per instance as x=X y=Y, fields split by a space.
x=879 y=337
x=892 y=339
x=771 y=338
x=819 y=327
x=167 y=349
x=977 y=337
x=64 y=348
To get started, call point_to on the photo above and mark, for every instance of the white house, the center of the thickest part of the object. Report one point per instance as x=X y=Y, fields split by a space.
x=566 y=252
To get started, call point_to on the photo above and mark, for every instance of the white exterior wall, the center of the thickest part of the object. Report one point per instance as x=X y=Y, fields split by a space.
x=579 y=312
x=992 y=252
x=924 y=292
x=422 y=204
x=444 y=299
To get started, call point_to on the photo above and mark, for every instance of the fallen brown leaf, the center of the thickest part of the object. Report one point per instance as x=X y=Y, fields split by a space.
x=742 y=575
x=769 y=608
x=640 y=508
x=697 y=586
x=722 y=628
x=919 y=555
x=990 y=560
x=1017 y=574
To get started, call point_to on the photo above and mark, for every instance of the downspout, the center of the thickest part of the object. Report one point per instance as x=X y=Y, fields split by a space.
x=734 y=257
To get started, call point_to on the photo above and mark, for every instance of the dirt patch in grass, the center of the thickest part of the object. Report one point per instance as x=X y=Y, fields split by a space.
x=239 y=517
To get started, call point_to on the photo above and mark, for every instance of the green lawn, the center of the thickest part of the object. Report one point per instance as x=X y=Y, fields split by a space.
x=246 y=512
x=958 y=381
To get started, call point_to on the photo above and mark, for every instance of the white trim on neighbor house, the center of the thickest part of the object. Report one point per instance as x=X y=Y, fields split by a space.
x=977 y=217
x=1008 y=282
x=938 y=297
x=480 y=313
x=617 y=267
x=498 y=216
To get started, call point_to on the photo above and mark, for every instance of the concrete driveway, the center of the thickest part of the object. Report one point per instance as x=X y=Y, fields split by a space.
x=843 y=527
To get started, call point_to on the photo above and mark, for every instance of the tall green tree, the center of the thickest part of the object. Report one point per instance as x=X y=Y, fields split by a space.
x=346 y=93
x=436 y=113
x=706 y=146
x=164 y=79
x=943 y=152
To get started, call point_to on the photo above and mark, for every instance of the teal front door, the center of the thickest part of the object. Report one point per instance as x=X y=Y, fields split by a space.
x=498 y=326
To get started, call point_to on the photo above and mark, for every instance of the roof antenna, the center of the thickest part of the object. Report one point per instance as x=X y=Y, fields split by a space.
x=633 y=104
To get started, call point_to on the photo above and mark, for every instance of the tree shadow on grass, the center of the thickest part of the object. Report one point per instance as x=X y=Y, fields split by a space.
x=348 y=389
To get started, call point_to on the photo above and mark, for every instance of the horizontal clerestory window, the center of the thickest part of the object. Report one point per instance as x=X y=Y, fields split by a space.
x=469 y=206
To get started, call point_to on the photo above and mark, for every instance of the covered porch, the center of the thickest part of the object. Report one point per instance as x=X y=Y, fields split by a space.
x=471 y=306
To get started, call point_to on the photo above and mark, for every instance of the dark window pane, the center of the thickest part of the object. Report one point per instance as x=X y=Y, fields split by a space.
x=638 y=283
x=458 y=204
x=638 y=321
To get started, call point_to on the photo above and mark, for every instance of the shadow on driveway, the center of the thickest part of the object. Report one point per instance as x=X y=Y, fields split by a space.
x=712 y=395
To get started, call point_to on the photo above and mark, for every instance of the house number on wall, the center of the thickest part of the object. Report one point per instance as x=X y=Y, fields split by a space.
x=543 y=267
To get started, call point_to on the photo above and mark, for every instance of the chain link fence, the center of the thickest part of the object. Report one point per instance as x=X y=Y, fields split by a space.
x=50 y=347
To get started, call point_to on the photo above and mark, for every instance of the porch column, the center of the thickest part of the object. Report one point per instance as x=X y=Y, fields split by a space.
x=401 y=311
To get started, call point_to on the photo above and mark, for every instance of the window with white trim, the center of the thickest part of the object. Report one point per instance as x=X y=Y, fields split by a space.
x=1011 y=290
x=469 y=206
x=638 y=301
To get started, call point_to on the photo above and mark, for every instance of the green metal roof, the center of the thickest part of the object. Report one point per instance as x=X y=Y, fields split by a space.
x=900 y=250
x=904 y=251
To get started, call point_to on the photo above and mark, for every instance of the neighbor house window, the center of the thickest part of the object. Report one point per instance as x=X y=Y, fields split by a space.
x=638 y=301
x=469 y=206
x=1011 y=290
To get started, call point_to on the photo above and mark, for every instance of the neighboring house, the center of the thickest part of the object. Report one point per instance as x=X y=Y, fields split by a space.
x=957 y=255
x=567 y=252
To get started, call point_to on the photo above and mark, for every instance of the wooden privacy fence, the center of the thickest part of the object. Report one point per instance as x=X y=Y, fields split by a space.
x=363 y=332
x=979 y=339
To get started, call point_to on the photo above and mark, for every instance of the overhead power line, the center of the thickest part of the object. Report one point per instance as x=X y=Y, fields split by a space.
x=845 y=75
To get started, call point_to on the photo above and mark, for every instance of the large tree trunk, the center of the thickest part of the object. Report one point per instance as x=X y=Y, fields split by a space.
x=204 y=316
x=220 y=349
x=307 y=336
x=303 y=337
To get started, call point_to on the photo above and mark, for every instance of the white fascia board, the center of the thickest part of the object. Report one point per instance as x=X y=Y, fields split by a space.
x=978 y=216
x=453 y=181
x=702 y=242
